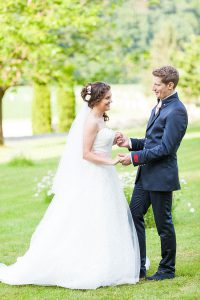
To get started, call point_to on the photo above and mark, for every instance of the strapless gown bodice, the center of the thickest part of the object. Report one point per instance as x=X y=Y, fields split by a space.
x=104 y=141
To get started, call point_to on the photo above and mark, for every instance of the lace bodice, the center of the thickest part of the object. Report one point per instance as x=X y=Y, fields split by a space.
x=104 y=140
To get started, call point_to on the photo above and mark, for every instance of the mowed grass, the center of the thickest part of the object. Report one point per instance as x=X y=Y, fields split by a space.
x=20 y=213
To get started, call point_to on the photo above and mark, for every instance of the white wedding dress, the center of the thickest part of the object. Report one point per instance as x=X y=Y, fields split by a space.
x=86 y=238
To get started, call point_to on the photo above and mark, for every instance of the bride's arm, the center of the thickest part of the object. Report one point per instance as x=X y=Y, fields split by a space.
x=89 y=135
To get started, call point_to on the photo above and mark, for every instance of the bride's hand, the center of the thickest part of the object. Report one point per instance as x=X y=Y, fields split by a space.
x=116 y=160
x=118 y=136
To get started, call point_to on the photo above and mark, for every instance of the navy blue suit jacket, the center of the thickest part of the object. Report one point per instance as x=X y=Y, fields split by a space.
x=156 y=153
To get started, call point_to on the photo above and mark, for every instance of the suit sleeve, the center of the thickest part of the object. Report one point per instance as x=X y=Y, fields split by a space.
x=174 y=131
x=137 y=144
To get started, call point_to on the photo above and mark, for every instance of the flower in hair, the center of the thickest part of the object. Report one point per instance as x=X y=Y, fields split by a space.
x=87 y=97
x=89 y=88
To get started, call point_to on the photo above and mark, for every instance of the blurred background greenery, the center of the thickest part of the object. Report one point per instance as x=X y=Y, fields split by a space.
x=48 y=48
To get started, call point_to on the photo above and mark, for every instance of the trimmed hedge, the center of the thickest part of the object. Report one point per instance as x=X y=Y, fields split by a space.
x=41 y=109
x=65 y=106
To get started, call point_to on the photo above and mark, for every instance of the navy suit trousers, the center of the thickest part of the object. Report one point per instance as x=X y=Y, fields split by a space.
x=161 y=204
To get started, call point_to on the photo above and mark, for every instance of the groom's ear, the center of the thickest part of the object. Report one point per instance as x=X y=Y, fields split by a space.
x=171 y=85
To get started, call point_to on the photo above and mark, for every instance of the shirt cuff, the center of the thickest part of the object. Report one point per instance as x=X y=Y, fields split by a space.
x=130 y=144
x=131 y=157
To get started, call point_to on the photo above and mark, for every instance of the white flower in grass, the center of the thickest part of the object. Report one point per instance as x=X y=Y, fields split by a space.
x=192 y=210
x=45 y=178
x=189 y=204
x=44 y=187
x=183 y=181
x=36 y=195
x=127 y=179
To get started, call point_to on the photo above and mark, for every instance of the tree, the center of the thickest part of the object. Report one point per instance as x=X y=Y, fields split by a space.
x=41 y=110
x=13 y=52
x=1 y=114
x=11 y=67
x=164 y=46
x=66 y=102
x=162 y=52
x=188 y=61
x=32 y=35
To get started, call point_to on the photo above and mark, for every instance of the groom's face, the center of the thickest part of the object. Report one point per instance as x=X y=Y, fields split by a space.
x=161 y=89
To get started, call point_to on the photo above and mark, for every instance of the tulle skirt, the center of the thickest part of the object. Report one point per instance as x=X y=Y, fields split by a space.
x=86 y=238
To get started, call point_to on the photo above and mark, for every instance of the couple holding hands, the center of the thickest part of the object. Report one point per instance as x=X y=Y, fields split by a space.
x=89 y=236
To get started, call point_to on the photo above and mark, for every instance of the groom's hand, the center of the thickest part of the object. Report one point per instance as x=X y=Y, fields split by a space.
x=125 y=159
x=122 y=141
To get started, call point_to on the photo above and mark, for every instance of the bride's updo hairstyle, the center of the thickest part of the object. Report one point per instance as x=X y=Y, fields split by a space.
x=93 y=93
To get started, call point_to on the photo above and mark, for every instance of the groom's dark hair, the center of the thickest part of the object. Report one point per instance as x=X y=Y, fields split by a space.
x=167 y=74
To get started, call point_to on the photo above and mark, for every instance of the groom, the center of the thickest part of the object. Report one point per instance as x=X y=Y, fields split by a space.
x=157 y=175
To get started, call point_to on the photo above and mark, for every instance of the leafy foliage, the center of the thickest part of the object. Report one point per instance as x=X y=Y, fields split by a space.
x=41 y=39
x=116 y=41
x=189 y=62
x=66 y=106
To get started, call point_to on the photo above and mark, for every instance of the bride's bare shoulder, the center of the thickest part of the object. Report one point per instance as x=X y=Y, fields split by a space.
x=91 y=123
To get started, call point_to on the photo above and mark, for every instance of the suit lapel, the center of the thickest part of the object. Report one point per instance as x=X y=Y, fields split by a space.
x=153 y=117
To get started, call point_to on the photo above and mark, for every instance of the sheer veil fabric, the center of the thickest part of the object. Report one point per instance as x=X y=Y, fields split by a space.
x=71 y=162
x=86 y=239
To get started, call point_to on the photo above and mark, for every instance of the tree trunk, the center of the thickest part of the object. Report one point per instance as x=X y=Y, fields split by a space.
x=2 y=92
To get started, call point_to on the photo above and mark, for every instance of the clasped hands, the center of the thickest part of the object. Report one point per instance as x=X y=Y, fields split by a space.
x=122 y=141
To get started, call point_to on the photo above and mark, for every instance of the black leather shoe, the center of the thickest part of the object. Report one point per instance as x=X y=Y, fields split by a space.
x=161 y=276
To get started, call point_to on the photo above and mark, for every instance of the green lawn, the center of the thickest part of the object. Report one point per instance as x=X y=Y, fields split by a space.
x=20 y=212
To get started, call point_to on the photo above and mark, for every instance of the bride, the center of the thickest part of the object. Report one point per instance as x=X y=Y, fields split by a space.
x=86 y=238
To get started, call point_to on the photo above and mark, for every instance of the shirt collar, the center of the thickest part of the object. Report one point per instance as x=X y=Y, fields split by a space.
x=174 y=92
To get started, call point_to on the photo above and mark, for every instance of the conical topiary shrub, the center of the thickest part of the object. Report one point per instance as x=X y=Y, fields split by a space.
x=41 y=109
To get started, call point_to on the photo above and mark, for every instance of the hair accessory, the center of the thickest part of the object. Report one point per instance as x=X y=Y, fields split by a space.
x=88 y=95
x=89 y=88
